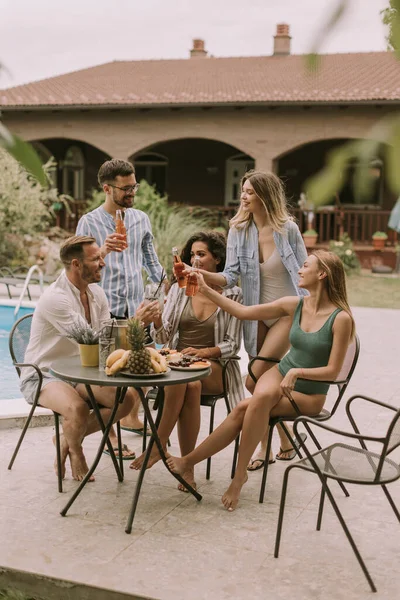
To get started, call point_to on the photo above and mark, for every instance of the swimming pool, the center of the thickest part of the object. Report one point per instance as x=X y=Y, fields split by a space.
x=9 y=379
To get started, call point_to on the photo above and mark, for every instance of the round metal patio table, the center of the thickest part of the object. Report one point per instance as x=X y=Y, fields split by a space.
x=70 y=369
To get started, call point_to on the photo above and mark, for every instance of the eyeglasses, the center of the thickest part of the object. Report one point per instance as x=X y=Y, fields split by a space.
x=127 y=189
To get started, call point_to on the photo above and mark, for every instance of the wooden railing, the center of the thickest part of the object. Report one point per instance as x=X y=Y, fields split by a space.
x=358 y=223
x=331 y=222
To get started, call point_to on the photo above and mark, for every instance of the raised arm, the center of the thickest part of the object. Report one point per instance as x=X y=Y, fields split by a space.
x=258 y=312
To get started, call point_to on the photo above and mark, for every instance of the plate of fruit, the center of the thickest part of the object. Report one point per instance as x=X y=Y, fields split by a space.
x=170 y=354
x=189 y=363
x=140 y=360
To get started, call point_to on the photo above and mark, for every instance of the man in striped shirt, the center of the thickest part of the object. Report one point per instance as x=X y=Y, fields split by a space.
x=124 y=256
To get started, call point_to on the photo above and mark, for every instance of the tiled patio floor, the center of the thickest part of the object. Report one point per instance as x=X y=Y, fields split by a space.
x=181 y=549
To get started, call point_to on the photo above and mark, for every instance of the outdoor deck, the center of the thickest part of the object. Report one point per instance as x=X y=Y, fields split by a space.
x=181 y=549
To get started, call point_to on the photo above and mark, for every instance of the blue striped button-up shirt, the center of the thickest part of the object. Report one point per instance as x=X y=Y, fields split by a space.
x=122 y=275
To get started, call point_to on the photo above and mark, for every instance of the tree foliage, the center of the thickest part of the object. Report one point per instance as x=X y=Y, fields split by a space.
x=383 y=137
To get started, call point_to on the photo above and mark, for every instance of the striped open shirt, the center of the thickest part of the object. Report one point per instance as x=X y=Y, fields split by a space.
x=122 y=275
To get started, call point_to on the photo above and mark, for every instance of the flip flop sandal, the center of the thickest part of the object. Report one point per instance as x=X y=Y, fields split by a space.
x=139 y=431
x=261 y=465
x=130 y=456
x=291 y=451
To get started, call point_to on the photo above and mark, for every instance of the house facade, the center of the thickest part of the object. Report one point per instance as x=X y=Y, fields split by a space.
x=193 y=127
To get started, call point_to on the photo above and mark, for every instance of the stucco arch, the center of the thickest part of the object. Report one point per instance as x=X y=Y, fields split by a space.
x=159 y=139
x=313 y=140
x=82 y=139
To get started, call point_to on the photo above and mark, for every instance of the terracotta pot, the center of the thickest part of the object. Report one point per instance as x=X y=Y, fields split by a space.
x=378 y=243
x=89 y=355
x=310 y=240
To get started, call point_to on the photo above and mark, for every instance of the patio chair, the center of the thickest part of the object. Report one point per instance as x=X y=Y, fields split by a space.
x=209 y=400
x=347 y=463
x=342 y=381
x=18 y=342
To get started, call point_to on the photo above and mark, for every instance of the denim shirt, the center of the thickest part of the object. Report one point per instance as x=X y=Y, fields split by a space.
x=242 y=259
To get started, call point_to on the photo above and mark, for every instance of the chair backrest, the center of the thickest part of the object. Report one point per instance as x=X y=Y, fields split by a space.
x=19 y=338
x=393 y=434
x=347 y=370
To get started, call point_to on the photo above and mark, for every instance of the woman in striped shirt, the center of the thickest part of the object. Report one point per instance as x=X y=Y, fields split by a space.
x=196 y=326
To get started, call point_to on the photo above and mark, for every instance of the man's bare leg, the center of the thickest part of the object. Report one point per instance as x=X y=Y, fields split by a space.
x=132 y=418
x=65 y=400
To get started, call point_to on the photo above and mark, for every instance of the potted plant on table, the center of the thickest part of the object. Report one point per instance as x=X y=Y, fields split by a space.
x=88 y=341
x=378 y=240
x=310 y=238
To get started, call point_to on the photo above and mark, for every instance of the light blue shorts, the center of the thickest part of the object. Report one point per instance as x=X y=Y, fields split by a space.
x=29 y=386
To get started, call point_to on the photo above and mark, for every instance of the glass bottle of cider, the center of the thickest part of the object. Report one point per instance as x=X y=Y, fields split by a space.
x=192 y=286
x=119 y=222
x=179 y=267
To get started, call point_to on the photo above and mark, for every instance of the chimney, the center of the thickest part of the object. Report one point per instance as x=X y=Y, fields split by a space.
x=282 y=40
x=198 y=50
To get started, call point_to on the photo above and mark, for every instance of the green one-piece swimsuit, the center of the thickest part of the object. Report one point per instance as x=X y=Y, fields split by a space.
x=308 y=350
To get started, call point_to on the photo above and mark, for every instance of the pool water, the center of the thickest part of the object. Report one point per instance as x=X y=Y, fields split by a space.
x=9 y=387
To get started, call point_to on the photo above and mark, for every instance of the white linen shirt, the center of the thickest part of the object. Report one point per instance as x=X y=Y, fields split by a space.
x=53 y=316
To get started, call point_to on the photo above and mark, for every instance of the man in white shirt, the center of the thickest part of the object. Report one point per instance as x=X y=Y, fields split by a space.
x=74 y=293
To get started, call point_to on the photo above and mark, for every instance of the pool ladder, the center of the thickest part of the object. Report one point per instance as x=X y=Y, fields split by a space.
x=25 y=287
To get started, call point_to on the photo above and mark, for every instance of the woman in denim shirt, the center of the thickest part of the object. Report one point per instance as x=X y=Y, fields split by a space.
x=265 y=249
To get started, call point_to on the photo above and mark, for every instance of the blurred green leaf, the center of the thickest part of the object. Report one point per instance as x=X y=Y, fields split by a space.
x=24 y=154
x=333 y=19
x=323 y=186
x=366 y=152
x=391 y=17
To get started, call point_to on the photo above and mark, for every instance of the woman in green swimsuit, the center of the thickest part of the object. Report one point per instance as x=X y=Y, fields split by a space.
x=322 y=328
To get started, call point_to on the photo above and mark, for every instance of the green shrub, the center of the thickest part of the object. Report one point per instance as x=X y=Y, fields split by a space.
x=344 y=250
x=26 y=208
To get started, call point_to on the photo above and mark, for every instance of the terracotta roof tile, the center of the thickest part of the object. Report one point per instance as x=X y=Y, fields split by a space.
x=366 y=77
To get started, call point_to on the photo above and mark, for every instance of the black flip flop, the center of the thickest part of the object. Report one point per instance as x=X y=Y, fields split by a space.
x=292 y=451
x=261 y=466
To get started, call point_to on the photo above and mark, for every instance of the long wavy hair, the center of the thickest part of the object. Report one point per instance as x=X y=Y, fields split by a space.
x=335 y=281
x=269 y=189
x=215 y=242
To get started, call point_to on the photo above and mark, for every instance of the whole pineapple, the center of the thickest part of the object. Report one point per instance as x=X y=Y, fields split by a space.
x=140 y=359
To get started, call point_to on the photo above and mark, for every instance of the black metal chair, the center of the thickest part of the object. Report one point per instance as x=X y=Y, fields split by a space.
x=342 y=381
x=18 y=342
x=350 y=464
x=209 y=400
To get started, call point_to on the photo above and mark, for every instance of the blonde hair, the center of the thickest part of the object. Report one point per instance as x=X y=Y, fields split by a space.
x=335 y=280
x=269 y=189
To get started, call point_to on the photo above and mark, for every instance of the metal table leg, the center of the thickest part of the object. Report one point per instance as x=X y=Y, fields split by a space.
x=119 y=397
x=154 y=439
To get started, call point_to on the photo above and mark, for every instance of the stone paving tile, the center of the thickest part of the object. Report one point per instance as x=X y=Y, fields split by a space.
x=180 y=548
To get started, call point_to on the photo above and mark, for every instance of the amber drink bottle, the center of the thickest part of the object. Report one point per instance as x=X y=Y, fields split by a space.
x=178 y=268
x=192 y=286
x=119 y=223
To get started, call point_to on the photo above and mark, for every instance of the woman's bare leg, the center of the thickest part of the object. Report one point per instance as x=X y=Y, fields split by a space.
x=174 y=400
x=275 y=345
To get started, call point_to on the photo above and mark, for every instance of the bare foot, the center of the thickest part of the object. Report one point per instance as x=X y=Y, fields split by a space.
x=132 y=423
x=231 y=497
x=189 y=477
x=79 y=466
x=153 y=459
x=64 y=453
x=178 y=465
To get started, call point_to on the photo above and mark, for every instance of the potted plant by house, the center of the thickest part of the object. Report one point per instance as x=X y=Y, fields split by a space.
x=310 y=238
x=378 y=240
x=88 y=342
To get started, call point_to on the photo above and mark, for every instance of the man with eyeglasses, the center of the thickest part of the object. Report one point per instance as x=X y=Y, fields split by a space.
x=124 y=256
